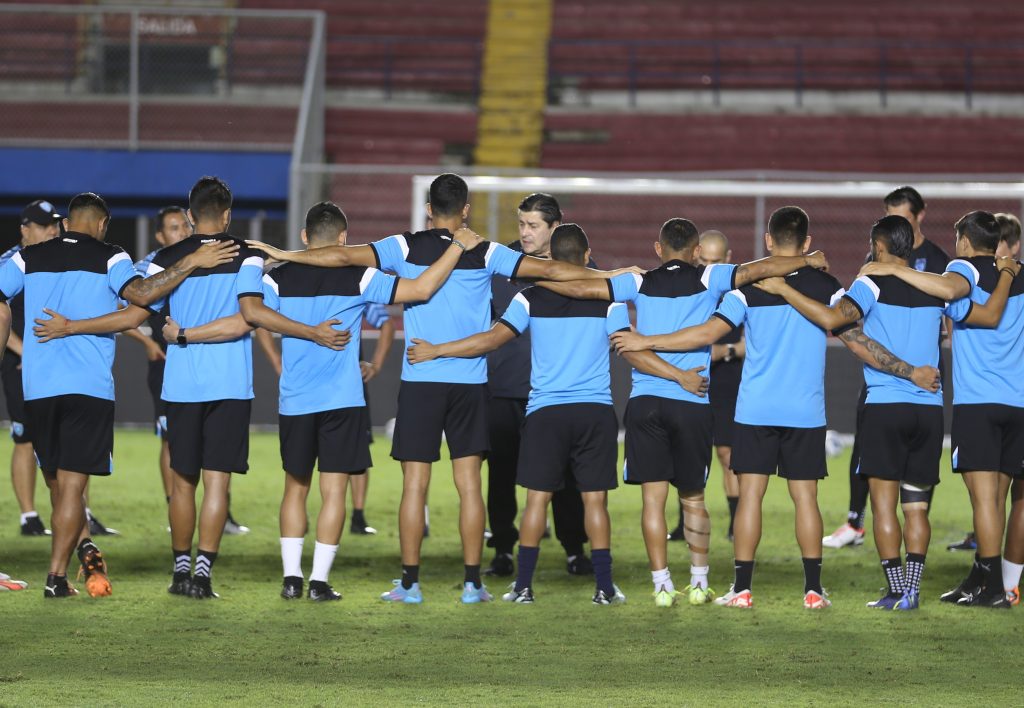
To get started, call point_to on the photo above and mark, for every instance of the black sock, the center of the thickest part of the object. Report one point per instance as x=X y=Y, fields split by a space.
x=812 y=575
x=602 y=558
x=473 y=575
x=357 y=518
x=856 y=519
x=915 y=569
x=733 y=503
x=183 y=562
x=54 y=579
x=204 y=563
x=744 y=575
x=976 y=577
x=893 y=569
x=527 y=563
x=410 y=575
x=993 y=567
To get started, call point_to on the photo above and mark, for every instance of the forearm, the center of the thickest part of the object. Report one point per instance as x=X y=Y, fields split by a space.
x=648 y=362
x=469 y=347
x=332 y=256
x=682 y=340
x=125 y=319
x=225 y=329
x=819 y=313
x=543 y=269
x=136 y=335
x=145 y=291
x=426 y=284
x=384 y=342
x=771 y=267
x=874 y=354
x=14 y=344
x=947 y=287
x=989 y=314
x=259 y=315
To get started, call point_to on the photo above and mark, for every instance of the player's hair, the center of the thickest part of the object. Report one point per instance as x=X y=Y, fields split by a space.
x=448 y=195
x=715 y=235
x=161 y=215
x=981 y=229
x=896 y=233
x=324 y=221
x=545 y=204
x=788 y=226
x=678 y=235
x=569 y=244
x=87 y=201
x=1009 y=229
x=210 y=198
x=905 y=195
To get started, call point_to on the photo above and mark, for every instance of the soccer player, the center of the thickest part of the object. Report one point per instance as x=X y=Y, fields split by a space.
x=903 y=421
x=570 y=425
x=508 y=382
x=988 y=391
x=323 y=412
x=669 y=430
x=447 y=396
x=925 y=256
x=69 y=388
x=726 y=368
x=39 y=222
x=780 y=412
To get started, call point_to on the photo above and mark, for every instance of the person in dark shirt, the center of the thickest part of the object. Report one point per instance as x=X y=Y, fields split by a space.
x=508 y=382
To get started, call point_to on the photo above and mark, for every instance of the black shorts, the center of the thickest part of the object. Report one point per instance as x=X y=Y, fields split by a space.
x=988 y=437
x=723 y=414
x=336 y=439
x=73 y=432
x=577 y=439
x=209 y=435
x=426 y=409
x=667 y=441
x=797 y=453
x=155 y=382
x=14 y=394
x=901 y=441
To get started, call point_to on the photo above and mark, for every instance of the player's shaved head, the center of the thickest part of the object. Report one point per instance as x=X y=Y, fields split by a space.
x=324 y=223
x=714 y=247
x=788 y=226
x=569 y=244
x=678 y=235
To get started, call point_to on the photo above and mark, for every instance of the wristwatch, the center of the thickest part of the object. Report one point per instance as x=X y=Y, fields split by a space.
x=182 y=339
x=730 y=352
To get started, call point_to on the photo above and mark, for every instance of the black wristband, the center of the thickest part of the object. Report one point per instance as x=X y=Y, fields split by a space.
x=182 y=339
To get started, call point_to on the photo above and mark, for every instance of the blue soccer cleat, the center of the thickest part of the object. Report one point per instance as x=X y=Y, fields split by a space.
x=412 y=596
x=888 y=601
x=472 y=595
x=909 y=601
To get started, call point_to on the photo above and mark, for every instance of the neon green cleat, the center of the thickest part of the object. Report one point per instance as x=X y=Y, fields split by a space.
x=665 y=598
x=699 y=595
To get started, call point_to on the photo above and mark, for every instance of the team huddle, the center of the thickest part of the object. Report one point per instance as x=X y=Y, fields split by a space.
x=508 y=356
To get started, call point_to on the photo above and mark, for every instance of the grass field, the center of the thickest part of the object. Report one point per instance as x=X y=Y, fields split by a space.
x=143 y=646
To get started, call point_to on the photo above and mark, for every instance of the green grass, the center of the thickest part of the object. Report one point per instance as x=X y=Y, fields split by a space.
x=143 y=646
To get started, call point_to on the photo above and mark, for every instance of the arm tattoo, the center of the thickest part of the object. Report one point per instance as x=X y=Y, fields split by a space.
x=886 y=361
x=848 y=309
x=157 y=286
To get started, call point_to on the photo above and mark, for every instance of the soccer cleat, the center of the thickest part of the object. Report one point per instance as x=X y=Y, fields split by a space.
x=58 y=587
x=997 y=600
x=181 y=584
x=96 y=528
x=814 y=600
x=94 y=570
x=233 y=528
x=520 y=597
x=1013 y=596
x=33 y=526
x=7 y=583
x=844 y=536
x=291 y=588
x=202 y=589
x=320 y=591
x=910 y=600
x=502 y=566
x=969 y=543
x=887 y=601
x=412 y=596
x=665 y=598
x=964 y=589
x=579 y=565
x=743 y=599
x=696 y=595
x=472 y=595
x=616 y=598
x=361 y=529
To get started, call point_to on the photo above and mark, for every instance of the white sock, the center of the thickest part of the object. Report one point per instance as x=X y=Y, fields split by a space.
x=662 y=579
x=323 y=559
x=291 y=556
x=426 y=515
x=28 y=515
x=699 y=576
x=1011 y=574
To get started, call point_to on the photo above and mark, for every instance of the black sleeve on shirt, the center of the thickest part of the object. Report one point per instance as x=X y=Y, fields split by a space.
x=725 y=319
x=509 y=325
x=120 y=293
